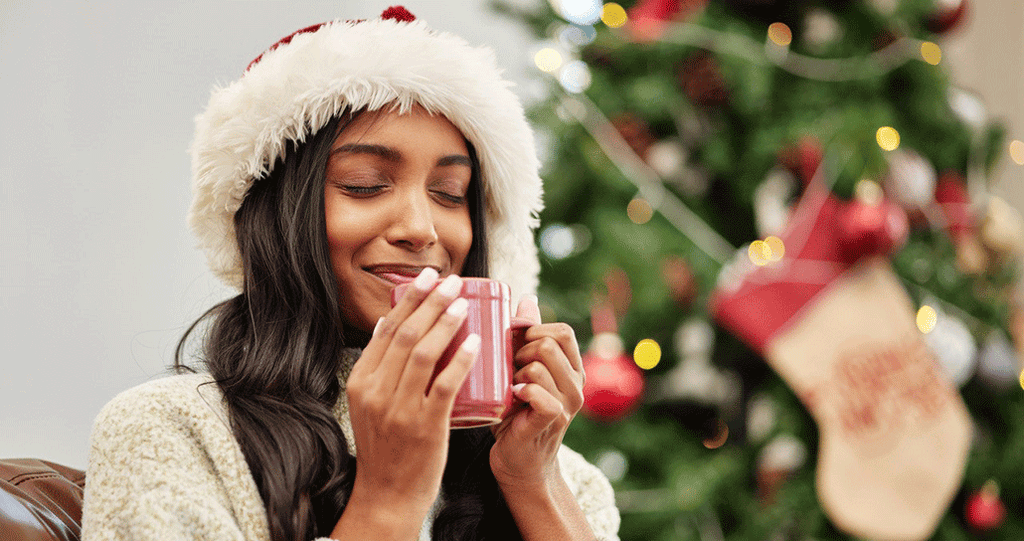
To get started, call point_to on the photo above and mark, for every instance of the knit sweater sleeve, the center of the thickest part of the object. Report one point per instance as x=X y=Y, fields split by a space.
x=593 y=491
x=164 y=466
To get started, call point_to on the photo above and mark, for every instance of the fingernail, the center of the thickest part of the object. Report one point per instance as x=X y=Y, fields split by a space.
x=426 y=279
x=472 y=343
x=377 y=326
x=517 y=388
x=458 y=307
x=451 y=286
x=533 y=298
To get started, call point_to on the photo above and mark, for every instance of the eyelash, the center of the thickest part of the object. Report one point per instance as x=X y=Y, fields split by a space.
x=454 y=200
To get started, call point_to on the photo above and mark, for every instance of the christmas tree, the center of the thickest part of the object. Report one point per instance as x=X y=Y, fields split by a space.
x=770 y=223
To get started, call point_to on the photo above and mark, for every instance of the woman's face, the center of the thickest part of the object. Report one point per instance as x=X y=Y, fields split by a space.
x=395 y=202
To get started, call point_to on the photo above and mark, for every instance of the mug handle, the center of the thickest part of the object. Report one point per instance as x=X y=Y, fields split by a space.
x=518 y=327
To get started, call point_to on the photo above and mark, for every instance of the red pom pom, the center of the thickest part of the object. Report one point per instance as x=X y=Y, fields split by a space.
x=398 y=13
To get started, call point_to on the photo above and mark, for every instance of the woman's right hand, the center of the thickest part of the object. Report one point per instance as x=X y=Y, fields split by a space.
x=400 y=417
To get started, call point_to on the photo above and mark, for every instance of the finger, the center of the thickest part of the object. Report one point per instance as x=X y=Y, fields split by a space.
x=529 y=309
x=545 y=363
x=565 y=336
x=441 y=395
x=427 y=352
x=544 y=408
x=412 y=330
x=384 y=331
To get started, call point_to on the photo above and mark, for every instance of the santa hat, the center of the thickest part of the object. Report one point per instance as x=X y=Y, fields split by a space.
x=295 y=87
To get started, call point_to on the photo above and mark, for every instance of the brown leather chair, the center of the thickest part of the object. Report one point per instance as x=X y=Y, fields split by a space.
x=40 y=501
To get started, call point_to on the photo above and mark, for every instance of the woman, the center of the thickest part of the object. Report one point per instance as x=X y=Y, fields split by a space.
x=350 y=157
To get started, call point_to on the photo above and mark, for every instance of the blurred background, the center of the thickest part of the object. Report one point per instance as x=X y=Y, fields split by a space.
x=697 y=154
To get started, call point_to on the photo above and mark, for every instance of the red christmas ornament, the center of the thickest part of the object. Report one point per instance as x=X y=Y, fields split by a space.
x=869 y=228
x=984 y=510
x=614 y=383
x=948 y=15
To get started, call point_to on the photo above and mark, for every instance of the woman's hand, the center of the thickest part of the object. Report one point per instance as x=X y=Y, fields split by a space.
x=549 y=392
x=400 y=418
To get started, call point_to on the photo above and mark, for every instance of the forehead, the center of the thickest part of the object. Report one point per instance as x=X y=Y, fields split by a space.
x=414 y=127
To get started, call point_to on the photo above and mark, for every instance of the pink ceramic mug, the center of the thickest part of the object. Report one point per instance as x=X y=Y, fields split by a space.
x=486 y=395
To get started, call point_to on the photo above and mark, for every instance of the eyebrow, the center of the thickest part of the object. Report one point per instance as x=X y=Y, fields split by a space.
x=393 y=155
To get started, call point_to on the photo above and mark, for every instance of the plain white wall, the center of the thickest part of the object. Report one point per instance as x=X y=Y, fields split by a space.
x=98 y=274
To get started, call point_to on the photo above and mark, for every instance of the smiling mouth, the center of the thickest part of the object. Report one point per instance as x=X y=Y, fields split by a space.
x=397 y=274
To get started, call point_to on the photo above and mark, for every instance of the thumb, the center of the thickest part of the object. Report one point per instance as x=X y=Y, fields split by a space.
x=529 y=309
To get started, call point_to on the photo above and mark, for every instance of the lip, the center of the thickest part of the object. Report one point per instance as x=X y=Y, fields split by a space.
x=397 y=273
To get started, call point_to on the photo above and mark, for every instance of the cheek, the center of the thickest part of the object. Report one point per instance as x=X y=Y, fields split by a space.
x=346 y=232
x=459 y=233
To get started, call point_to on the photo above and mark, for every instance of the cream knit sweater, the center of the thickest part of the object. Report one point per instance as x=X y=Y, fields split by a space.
x=164 y=466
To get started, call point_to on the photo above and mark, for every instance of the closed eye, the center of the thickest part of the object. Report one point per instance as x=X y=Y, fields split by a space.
x=449 y=199
x=363 y=190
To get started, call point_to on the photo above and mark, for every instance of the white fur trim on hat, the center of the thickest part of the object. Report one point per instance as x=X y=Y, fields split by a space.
x=295 y=88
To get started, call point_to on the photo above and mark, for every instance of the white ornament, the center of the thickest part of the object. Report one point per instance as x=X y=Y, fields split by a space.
x=695 y=378
x=954 y=347
x=695 y=338
x=911 y=179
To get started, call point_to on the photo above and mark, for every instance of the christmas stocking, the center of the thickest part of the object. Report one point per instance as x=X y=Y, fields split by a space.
x=833 y=321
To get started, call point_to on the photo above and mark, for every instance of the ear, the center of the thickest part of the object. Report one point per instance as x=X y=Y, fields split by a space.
x=529 y=309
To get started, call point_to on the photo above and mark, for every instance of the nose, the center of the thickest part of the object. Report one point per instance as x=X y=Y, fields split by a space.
x=413 y=224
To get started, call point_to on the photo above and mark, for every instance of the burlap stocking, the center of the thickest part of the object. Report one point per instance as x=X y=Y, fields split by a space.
x=841 y=332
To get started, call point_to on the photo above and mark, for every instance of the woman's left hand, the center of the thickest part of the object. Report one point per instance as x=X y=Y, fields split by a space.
x=548 y=387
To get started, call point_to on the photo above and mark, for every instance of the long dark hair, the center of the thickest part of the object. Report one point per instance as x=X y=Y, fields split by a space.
x=275 y=351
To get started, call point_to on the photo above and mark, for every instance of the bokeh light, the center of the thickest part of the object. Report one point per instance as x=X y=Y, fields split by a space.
x=1017 y=151
x=639 y=211
x=927 y=317
x=719 y=438
x=888 y=138
x=613 y=464
x=557 y=241
x=780 y=34
x=548 y=59
x=579 y=11
x=868 y=192
x=760 y=253
x=576 y=36
x=931 y=53
x=575 y=77
x=647 y=354
x=777 y=248
x=613 y=15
